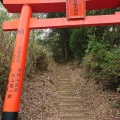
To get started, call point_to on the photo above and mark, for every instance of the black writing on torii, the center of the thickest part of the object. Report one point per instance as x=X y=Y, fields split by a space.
x=75 y=7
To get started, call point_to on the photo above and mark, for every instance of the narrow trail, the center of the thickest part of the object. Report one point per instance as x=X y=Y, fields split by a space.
x=62 y=94
x=70 y=102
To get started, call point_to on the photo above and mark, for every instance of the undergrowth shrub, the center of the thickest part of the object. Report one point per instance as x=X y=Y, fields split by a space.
x=38 y=58
x=6 y=48
x=101 y=63
x=78 y=42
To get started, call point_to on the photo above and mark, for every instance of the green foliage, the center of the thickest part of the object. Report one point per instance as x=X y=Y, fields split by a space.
x=56 y=48
x=38 y=58
x=112 y=36
x=102 y=64
x=6 y=48
x=78 y=42
x=60 y=40
x=115 y=105
x=118 y=89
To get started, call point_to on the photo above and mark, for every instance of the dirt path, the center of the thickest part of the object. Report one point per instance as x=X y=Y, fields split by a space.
x=62 y=94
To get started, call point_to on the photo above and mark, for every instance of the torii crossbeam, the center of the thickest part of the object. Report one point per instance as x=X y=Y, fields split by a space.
x=75 y=17
x=14 y=6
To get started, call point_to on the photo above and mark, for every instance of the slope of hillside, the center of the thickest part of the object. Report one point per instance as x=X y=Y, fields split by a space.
x=62 y=93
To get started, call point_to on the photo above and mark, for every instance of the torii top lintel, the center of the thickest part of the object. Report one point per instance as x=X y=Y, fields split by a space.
x=14 y=6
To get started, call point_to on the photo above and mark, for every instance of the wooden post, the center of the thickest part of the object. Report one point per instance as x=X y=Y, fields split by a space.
x=16 y=76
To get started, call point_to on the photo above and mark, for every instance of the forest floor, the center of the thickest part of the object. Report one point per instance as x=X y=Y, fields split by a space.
x=61 y=93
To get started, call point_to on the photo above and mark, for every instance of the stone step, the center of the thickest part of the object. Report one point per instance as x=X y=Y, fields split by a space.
x=75 y=111
x=74 y=117
x=69 y=94
x=73 y=92
x=67 y=88
x=68 y=91
x=70 y=101
x=64 y=80
x=70 y=106
x=66 y=85
x=69 y=98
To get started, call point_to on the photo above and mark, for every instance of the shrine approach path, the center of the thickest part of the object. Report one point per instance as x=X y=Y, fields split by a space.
x=61 y=93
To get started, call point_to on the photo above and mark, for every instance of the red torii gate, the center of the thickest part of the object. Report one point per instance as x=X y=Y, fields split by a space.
x=75 y=17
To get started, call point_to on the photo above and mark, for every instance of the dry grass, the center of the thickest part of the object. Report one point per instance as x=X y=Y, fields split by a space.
x=40 y=95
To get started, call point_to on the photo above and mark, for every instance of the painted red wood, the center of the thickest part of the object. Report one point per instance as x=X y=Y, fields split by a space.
x=14 y=6
x=16 y=76
x=76 y=9
x=64 y=23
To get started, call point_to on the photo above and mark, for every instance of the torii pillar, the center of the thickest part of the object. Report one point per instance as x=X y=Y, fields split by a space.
x=16 y=76
x=76 y=17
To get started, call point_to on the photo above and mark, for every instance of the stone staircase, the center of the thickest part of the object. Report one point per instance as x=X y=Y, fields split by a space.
x=62 y=94
x=70 y=104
